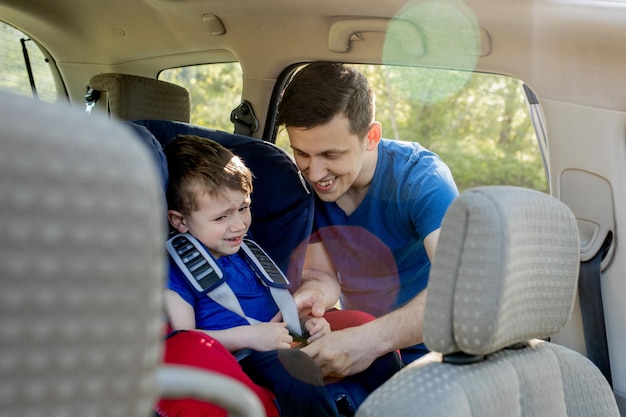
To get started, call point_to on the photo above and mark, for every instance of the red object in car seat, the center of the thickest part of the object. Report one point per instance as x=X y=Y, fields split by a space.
x=342 y=319
x=195 y=348
x=199 y=350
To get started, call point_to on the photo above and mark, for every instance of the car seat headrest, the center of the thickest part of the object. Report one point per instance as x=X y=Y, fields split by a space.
x=131 y=97
x=505 y=271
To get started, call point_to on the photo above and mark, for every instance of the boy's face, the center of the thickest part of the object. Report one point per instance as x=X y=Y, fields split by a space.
x=330 y=157
x=221 y=222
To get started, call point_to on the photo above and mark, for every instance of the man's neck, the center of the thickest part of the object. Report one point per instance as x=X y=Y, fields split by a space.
x=357 y=192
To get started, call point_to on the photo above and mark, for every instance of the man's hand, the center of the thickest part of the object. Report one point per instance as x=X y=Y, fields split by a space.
x=319 y=289
x=346 y=352
x=342 y=353
x=310 y=302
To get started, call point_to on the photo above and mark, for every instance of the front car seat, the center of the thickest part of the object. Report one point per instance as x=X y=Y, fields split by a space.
x=82 y=268
x=504 y=277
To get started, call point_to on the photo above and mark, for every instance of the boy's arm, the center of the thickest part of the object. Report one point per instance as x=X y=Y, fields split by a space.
x=262 y=336
x=179 y=312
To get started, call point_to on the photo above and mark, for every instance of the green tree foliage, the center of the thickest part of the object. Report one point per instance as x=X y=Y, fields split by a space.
x=215 y=91
x=483 y=132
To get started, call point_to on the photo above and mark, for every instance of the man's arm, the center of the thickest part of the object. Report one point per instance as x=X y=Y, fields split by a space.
x=430 y=244
x=346 y=352
x=320 y=288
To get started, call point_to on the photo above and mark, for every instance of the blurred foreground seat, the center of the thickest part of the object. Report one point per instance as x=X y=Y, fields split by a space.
x=82 y=269
x=503 y=278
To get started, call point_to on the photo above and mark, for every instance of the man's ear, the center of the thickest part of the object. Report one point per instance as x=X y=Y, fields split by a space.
x=374 y=134
x=177 y=220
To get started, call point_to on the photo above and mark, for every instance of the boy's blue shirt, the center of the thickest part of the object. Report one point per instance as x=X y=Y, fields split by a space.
x=254 y=297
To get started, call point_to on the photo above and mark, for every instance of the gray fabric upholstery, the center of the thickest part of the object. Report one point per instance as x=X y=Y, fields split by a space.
x=82 y=268
x=505 y=271
x=504 y=275
x=81 y=265
x=130 y=97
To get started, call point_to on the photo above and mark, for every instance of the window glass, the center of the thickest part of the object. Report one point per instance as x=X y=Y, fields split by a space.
x=478 y=123
x=215 y=90
x=23 y=67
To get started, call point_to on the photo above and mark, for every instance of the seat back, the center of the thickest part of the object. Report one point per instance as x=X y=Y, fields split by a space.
x=81 y=264
x=82 y=269
x=282 y=204
x=504 y=277
x=130 y=97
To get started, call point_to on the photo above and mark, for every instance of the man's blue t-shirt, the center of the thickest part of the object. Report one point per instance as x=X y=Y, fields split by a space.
x=255 y=298
x=378 y=249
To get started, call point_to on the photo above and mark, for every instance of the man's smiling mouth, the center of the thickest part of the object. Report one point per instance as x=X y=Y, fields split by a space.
x=326 y=183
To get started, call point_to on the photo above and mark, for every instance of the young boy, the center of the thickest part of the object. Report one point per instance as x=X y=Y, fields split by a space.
x=209 y=197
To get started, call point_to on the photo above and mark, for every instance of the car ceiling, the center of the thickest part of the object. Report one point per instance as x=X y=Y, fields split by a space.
x=552 y=45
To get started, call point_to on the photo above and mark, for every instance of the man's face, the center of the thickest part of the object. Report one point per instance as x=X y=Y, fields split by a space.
x=329 y=156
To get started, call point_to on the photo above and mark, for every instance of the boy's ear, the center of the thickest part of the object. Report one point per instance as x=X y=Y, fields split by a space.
x=177 y=220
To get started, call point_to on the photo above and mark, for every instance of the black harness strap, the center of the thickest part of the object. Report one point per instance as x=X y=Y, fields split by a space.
x=592 y=310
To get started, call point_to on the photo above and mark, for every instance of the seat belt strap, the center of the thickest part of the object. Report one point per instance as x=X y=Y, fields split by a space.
x=287 y=306
x=224 y=296
x=271 y=275
x=592 y=311
x=205 y=276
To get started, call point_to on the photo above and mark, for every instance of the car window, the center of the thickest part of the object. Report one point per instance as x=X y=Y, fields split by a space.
x=215 y=90
x=478 y=123
x=23 y=67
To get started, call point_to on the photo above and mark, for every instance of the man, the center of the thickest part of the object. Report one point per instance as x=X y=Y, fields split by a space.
x=379 y=207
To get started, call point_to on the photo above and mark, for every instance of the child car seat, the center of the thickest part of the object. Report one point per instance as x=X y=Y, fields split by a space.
x=282 y=205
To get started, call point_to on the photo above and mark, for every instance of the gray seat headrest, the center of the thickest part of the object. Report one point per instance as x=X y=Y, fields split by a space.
x=130 y=97
x=505 y=271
